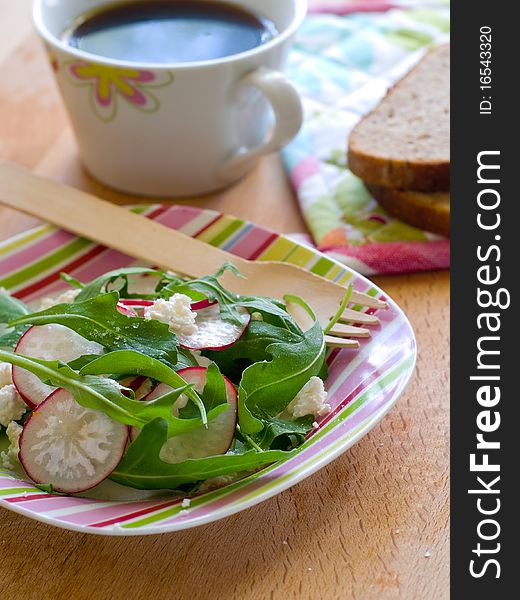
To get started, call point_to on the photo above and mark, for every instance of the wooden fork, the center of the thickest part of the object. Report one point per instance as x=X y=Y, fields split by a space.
x=135 y=235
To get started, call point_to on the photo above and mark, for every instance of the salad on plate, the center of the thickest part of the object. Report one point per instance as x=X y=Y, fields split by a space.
x=155 y=382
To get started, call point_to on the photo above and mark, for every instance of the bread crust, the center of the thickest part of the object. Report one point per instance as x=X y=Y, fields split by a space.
x=428 y=211
x=420 y=176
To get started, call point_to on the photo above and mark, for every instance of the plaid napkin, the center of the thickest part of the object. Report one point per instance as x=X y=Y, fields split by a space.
x=342 y=64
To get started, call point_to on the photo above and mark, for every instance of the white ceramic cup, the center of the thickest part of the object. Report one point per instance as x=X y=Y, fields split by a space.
x=175 y=129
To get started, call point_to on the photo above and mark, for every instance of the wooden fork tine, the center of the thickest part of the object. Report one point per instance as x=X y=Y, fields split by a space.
x=340 y=330
x=335 y=342
x=354 y=316
x=368 y=301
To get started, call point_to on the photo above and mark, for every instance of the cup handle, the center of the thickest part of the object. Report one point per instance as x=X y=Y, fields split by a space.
x=288 y=114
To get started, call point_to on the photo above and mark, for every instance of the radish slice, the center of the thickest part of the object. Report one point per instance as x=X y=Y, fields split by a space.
x=136 y=306
x=200 y=304
x=70 y=447
x=48 y=342
x=214 y=440
x=136 y=303
x=212 y=332
x=126 y=310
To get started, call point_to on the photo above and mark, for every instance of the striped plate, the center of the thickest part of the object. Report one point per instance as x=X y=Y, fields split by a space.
x=363 y=385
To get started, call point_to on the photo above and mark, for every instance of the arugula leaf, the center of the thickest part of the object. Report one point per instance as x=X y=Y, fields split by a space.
x=72 y=281
x=267 y=388
x=142 y=468
x=106 y=395
x=185 y=359
x=280 y=433
x=127 y=362
x=99 y=320
x=251 y=348
x=105 y=281
x=11 y=308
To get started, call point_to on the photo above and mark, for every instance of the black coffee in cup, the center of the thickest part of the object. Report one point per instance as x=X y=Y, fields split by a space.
x=169 y=31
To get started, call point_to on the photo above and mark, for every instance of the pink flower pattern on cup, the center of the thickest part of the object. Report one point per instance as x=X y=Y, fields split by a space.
x=108 y=84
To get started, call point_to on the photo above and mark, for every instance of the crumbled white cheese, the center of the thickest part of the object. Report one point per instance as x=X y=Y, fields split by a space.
x=175 y=312
x=310 y=400
x=5 y=374
x=186 y=503
x=66 y=297
x=10 y=456
x=12 y=407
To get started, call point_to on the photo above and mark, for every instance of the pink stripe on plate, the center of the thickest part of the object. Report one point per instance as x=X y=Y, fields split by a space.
x=55 y=503
x=106 y=513
x=21 y=259
x=7 y=482
x=178 y=216
x=249 y=244
x=106 y=261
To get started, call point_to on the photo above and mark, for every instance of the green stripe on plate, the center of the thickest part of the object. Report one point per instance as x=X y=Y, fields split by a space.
x=280 y=249
x=25 y=238
x=49 y=261
x=301 y=256
x=224 y=235
x=18 y=490
x=347 y=276
x=322 y=267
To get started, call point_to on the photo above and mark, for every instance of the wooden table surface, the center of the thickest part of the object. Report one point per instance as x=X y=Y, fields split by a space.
x=371 y=525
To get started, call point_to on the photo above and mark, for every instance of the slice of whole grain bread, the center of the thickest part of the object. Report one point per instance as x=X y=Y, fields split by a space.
x=429 y=211
x=404 y=142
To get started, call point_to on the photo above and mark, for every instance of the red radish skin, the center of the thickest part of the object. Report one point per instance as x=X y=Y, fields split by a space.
x=126 y=310
x=214 y=440
x=70 y=447
x=135 y=302
x=202 y=304
x=136 y=306
x=47 y=342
